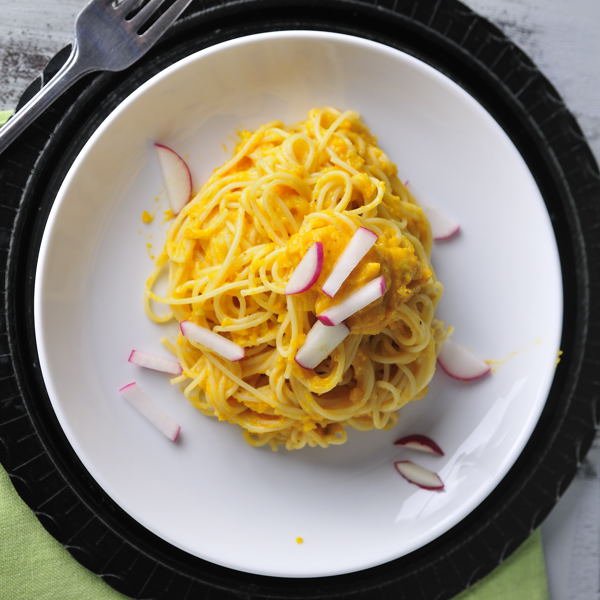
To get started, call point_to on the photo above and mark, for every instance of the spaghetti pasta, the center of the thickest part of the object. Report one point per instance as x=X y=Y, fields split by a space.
x=231 y=250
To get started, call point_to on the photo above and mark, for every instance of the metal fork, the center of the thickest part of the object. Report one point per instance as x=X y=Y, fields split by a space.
x=107 y=38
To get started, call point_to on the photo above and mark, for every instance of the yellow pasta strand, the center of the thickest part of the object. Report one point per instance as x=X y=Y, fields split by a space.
x=232 y=249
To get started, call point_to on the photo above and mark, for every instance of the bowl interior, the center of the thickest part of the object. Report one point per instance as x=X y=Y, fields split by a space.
x=211 y=494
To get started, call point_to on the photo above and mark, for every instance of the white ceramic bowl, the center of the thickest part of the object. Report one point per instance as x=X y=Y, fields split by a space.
x=211 y=494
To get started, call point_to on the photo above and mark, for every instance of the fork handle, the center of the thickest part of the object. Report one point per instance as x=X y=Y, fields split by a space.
x=68 y=74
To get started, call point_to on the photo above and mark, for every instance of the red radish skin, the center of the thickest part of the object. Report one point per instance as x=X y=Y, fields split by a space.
x=307 y=272
x=419 y=476
x=457 y=362
x=134 y=394
x=364 y=296
x=326 y=320
x=448 y=236
x=320 y=342
x=360 y=243
x=442 y=227
x=177 y=433
x=419 y=442
x=211 y=340
x=176 y=175
x=156 y=363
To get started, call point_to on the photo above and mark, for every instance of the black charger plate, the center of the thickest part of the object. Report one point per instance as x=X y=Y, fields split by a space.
x=75 y=510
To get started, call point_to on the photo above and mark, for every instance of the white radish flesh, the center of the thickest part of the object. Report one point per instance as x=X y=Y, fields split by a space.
x=420 y=476
x=134 y=394
x=442 y=226
x=358 y=300
x=360 y=243
x=211 y=340
x=419 y=442
x=157 y=363
x=461 y=364
x=308 y=270
x=176 y=175
x=320 y=342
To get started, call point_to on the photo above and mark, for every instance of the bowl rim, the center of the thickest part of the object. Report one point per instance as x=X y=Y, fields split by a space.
x=44 y=346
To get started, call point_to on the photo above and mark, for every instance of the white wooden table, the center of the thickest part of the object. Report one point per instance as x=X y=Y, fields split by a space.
x=563 y=39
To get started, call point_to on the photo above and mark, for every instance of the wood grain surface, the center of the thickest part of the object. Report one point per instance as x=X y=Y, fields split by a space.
x=562 y=38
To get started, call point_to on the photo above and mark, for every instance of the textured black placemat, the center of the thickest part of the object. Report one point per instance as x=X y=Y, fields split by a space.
x=75 y=510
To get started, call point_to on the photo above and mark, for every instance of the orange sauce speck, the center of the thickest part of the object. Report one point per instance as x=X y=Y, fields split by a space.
x=558 y=357
x=149 y=250
x=147 y=217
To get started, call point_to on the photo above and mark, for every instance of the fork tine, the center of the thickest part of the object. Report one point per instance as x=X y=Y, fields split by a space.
x=145 y=13
x=128 y=5
x=164 y=21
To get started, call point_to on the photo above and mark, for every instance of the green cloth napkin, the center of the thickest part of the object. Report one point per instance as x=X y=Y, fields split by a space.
x=4 y=114
x=34 y=566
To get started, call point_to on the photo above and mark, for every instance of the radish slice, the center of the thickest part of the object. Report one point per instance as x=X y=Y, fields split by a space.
x=442 y=226
x=307 y=271
x=362 y=297
x=134 y=394
x=211 y=340
x=424 y=478
x=360 y=243
x=157 y=363
x=459 y=363
x=416 y=441
x=320 y=343
x=176 y=175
